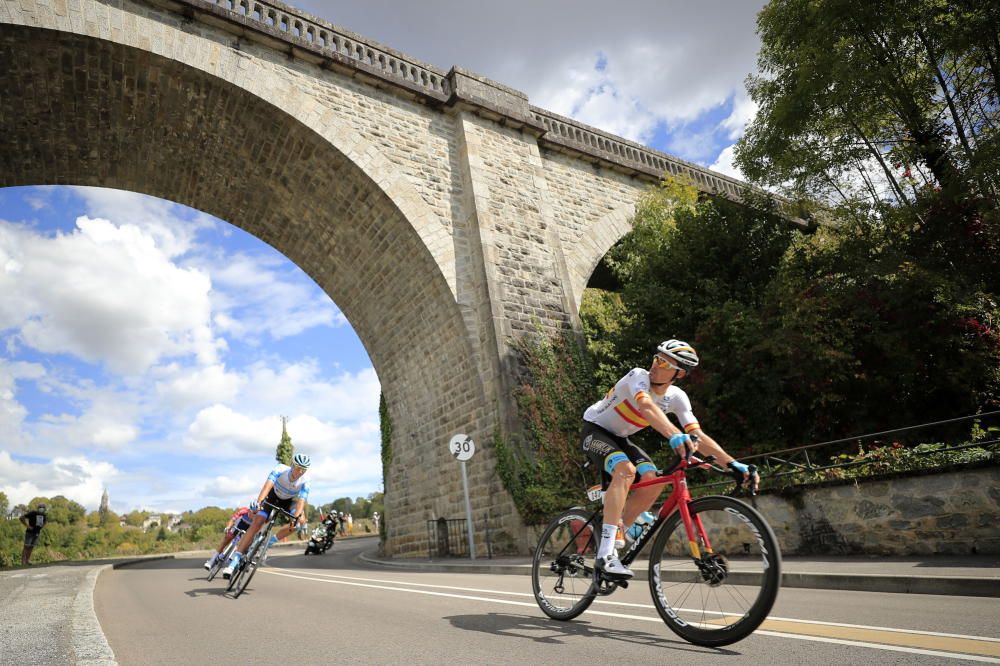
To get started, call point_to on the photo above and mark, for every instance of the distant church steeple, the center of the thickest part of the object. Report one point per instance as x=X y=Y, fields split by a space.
x=104 y=503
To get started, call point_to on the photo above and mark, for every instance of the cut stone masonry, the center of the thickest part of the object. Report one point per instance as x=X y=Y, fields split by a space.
x=444 y=214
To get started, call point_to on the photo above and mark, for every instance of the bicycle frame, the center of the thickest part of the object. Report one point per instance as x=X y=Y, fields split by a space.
x=677 y=500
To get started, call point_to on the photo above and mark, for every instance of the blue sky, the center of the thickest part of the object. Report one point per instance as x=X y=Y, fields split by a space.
x=151 y=349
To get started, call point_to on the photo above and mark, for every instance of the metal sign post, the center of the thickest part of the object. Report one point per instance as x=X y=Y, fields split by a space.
x=462 y=447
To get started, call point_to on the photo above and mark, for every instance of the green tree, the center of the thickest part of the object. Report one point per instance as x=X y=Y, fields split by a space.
x=883 y=91
x=136 y=518
x=4 y=505
x=285 y=449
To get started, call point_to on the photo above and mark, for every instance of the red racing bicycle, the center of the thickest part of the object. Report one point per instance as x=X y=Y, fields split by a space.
x=714 y=567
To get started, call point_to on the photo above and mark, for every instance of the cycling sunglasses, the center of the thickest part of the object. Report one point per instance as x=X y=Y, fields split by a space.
x=661 y=362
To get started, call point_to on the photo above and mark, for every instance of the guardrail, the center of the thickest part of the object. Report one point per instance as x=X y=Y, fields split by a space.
x=803 y=464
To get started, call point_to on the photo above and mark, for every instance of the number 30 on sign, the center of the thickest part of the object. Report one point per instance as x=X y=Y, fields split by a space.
x=462 y=447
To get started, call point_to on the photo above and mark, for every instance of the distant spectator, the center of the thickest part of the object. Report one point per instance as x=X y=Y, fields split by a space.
x=350 y=525
x=34 y=521
x=343 y=524
x=375 y=519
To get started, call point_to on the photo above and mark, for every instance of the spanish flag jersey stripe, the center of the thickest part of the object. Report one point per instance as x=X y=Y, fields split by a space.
x=691 y=426
x=627 y=411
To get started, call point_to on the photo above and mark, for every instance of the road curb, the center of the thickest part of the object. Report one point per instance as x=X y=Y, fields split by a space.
x=941 y=585
x=90 y=646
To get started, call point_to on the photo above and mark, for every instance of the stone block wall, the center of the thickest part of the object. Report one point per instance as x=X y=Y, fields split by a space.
x=947 y=513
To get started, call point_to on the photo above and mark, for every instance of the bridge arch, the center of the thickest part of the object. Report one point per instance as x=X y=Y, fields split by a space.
x=184 y=120
x=593 y=245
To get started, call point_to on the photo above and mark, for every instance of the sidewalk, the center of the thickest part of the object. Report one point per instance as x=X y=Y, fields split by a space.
x=972 y=575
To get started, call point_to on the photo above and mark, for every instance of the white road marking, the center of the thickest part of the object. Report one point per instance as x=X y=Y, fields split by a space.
x=370 y=583
x=648 y=606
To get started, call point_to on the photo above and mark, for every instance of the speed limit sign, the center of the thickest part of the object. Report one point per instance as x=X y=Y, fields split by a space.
x=462 y=447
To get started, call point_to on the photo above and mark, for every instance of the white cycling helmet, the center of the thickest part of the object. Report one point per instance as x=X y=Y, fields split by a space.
x=301 y=460
x=681 y=352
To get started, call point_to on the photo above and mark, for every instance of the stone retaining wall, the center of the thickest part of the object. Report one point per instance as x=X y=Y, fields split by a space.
x=953 y=513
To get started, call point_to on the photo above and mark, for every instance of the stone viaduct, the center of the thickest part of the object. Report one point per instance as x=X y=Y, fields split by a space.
x=443 y=213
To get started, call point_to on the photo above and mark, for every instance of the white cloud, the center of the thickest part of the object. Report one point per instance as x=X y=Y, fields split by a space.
x=743 y=113
x=225 y=486
x=76 y=478
x=103 y=293
x=12 y=412
x=254 y=296
x=300 y=388
x=724 y=163
x=194 y=387
x=173 y=232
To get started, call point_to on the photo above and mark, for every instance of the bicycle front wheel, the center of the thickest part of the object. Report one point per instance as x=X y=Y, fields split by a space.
x=562 y=570
x=724 y=593
x=255 y=554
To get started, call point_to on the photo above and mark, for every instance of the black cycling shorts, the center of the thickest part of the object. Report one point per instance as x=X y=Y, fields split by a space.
x=605 y=450
x=272 y=498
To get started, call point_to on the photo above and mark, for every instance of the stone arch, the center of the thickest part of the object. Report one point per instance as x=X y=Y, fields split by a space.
x=593 y=245
x=79 y=109
x=215 y=57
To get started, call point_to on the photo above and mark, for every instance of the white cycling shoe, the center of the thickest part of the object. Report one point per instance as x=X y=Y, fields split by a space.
x=612 y=567
x=209 y=563
x=227 y=573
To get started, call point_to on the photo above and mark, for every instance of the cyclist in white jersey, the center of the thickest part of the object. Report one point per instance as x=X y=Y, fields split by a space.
x=641 y=399
x=284 y=487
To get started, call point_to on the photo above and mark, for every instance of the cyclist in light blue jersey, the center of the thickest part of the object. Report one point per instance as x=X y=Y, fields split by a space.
x=287 y=488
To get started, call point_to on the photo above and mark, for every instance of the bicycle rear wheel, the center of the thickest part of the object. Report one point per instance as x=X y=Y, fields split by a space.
x=722 y=596
x=562 y=569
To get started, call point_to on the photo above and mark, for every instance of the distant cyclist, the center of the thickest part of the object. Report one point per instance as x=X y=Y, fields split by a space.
x=641 y=399
x=238 y=522
x=286 y=488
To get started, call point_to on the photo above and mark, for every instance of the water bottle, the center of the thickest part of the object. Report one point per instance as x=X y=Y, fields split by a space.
x=645 y=518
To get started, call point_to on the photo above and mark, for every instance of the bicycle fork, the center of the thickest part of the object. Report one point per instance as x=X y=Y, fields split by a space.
x=713 y=567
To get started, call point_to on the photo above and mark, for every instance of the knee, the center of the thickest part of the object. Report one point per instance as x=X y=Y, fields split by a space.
x=623 y=473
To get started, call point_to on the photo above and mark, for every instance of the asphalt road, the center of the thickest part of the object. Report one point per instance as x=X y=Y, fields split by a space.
x=334 y=609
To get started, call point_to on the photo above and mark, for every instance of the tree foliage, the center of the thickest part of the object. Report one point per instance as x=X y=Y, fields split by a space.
x=802 y=336
x=878 y=97
x=285 y=450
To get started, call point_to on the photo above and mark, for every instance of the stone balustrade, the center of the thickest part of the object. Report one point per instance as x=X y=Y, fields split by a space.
x=582 y=138
x=313 y=35
x=308 y=35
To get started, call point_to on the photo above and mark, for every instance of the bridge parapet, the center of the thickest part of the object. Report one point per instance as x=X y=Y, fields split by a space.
x=303 y=35
x=308 y=35
x=580 y=138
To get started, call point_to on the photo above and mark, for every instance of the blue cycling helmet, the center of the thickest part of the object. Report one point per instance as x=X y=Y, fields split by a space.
x=301 y=460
